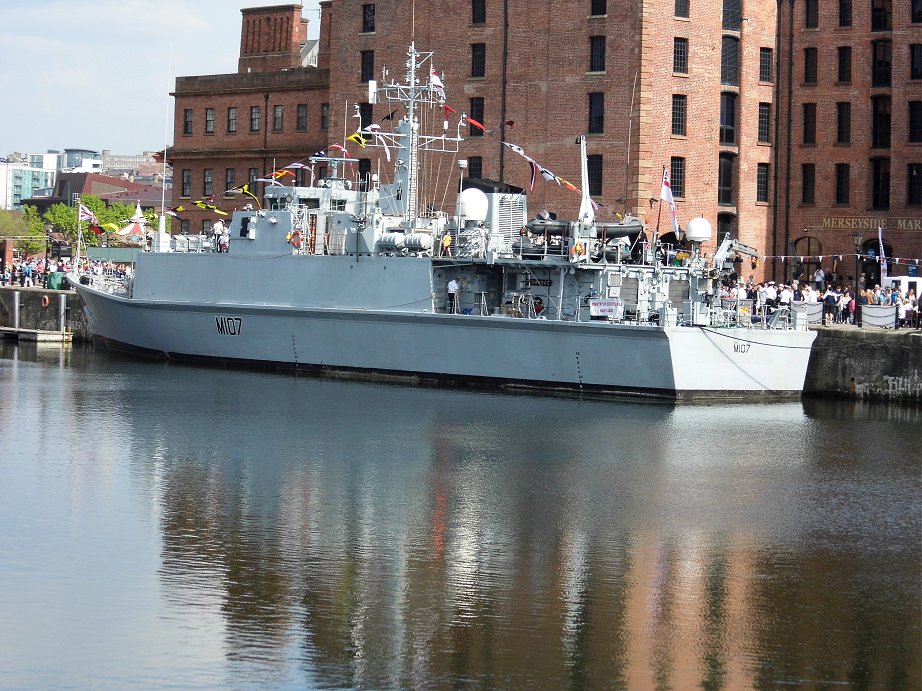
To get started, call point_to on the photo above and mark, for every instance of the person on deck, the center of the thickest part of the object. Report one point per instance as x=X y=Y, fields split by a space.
x=454 y=288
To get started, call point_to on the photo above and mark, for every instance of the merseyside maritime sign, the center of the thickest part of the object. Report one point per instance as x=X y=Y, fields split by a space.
x=871 y=223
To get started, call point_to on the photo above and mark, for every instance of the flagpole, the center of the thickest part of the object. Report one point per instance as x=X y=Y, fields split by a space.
x=79 y=235
x=627 y=158
x=659 y=211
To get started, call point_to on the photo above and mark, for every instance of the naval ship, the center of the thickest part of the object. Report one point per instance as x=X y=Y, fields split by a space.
x=369 y=278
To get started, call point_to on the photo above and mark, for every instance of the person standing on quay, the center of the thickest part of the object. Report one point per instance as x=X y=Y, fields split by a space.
x=819 y=278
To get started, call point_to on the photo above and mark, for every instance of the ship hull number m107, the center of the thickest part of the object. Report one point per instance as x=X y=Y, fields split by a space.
x=228 y=326
x=741 y=347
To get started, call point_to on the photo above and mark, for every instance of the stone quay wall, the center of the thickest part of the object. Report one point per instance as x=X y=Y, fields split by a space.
x=33 y=315
x=846 y=362
x=867 y=363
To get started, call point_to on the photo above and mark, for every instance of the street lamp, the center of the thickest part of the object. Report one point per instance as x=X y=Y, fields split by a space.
x=857 y=239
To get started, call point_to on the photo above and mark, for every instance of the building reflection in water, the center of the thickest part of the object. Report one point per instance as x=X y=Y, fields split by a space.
x=377 y=536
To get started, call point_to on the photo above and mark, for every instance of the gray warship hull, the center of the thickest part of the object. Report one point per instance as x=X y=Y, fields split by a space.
x=380 y=322
x=372 y=275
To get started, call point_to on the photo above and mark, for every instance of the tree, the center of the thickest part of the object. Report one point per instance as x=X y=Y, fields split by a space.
x=25 y=227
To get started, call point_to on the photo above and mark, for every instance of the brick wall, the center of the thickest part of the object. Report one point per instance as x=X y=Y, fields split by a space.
x=828 y=225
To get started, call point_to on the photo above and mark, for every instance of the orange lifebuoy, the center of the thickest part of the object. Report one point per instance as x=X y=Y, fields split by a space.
x=45 y=301
x=295 y=239
x=577 y=249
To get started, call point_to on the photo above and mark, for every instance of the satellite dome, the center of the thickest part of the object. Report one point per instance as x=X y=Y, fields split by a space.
x=472 y=204
x=698 y=230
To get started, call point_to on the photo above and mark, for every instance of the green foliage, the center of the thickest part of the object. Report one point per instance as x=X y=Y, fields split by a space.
x=26 y=227
x=63 y=218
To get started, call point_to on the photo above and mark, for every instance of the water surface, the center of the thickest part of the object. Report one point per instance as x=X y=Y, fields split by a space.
x=172 y=525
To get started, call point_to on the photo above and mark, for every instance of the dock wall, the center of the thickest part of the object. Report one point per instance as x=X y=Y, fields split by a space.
x=64 y=308
x=867 y=363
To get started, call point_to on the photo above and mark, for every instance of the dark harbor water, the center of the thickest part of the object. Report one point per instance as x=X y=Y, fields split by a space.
x=165 y=525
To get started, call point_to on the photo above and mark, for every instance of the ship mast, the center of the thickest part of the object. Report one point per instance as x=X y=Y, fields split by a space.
x=414 y=93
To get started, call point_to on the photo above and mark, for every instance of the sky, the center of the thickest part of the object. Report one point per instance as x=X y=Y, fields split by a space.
x=96 y=74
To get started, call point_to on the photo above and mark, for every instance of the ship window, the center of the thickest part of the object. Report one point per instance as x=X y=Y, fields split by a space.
x=309 y=202
x=337 y=205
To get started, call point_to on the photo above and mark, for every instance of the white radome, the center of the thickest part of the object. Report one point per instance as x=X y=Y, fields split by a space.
x=698 y=229
x=473 y=204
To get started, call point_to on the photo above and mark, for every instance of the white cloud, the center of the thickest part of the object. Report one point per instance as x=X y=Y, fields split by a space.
x=97 y=74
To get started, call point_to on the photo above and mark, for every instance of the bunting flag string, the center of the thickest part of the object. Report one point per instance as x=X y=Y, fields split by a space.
x=841 y=257
x=546 y=173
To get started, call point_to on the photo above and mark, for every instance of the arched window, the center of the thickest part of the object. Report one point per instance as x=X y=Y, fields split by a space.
x=805 y=261
x=870 y=261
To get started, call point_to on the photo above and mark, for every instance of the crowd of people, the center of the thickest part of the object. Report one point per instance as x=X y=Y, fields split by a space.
x=31 y=273
x=839 y=303
x=35 y=272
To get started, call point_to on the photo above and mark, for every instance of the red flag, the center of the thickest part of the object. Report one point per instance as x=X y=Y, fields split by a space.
x=476 y=124
x=448 y=109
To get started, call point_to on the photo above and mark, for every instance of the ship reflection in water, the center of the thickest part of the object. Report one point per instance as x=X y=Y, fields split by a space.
x=208 y=527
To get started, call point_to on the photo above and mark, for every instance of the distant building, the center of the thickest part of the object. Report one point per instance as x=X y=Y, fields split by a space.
x=110 y=189
x=230 y=129
x=22 y=180
x=80 y=161
x=131 y=165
